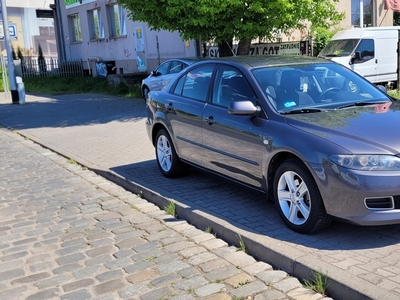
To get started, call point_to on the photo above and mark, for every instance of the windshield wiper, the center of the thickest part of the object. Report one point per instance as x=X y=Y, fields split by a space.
x=361 y=103
x=302 y=111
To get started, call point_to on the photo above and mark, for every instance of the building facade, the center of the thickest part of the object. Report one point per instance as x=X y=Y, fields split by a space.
x=29 y=26
x=365 y=13
x=101 y=34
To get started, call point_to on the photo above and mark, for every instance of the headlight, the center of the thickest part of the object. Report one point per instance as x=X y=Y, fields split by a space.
x=367 y=162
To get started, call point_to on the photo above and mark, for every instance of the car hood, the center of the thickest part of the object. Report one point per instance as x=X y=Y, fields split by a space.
x=373 y=129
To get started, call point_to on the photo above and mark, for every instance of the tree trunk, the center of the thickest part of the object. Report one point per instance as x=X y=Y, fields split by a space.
x=244 y=47
x=225 y=49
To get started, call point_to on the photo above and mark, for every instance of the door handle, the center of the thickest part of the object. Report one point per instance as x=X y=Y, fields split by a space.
x=210 y=120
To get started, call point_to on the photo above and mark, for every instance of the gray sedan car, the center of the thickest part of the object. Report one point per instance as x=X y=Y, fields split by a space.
x=163 y=74
x=322 y=142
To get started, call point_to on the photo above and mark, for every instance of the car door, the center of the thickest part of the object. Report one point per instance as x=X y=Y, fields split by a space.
x=155 y=81
x=185 y=104
x=233 y=143
x=367 y=63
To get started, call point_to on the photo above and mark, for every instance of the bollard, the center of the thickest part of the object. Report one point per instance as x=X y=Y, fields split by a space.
x=21 y=90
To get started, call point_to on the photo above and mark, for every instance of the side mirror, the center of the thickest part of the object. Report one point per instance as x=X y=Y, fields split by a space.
x=243 y=108
x=155 y=73
x=355 y=56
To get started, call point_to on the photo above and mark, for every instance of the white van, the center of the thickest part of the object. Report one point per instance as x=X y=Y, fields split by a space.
x=369 y=51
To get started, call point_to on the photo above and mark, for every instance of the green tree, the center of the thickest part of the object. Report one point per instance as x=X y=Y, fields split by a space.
x=20 y=55
x=396 y=18
x=41 y=61
x=222 y=21
x=14 y=56
x=321 y=36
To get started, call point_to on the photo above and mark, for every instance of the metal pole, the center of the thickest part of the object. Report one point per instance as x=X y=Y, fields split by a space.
x=60 y=31
x=10 y=62
x=398 y=60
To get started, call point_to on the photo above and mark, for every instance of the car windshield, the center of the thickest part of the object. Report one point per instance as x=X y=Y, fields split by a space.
x=316 y=87
x=338 y=48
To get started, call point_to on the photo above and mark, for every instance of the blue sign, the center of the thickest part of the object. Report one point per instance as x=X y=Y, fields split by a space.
x=13 y=30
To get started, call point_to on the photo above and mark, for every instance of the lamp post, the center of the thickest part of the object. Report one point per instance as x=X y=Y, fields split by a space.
x=10 y=61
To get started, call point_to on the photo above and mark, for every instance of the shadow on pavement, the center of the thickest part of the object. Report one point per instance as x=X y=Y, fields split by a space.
x=66 y=110
x=249 y=210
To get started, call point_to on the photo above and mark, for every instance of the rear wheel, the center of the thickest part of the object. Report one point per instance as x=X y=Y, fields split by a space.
x=167 y=159
x=298 y=199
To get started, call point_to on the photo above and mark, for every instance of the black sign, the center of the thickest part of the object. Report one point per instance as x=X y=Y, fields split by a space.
x=44 y=13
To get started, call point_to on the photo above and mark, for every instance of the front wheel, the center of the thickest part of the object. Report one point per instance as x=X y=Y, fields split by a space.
x=298 y=199
x=146 y=92
x=167 y=159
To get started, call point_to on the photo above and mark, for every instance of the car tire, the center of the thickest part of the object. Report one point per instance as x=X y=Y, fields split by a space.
x=167 y=159
x=298 y=199
x=146 y=92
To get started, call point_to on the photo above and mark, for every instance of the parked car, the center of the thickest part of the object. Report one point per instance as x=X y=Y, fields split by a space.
x=163 y=74
x=321 y=141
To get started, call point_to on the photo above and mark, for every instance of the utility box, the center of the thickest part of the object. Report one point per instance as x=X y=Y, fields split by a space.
x=21 y=90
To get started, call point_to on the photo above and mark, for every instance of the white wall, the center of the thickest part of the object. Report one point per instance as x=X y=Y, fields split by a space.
x=40 y=4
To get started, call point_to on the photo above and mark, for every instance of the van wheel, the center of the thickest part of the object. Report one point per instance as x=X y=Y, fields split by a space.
x=298 y=199
x=167 y=159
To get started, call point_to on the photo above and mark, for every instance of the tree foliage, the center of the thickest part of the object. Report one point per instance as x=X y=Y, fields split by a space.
x=396 y=18
x=224 y=20
x=41 y=61
x=321 y=36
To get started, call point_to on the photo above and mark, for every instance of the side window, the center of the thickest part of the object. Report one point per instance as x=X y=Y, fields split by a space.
x=75 y=29
x=96 y=27
x=163 y=68
x=196 y=83
x=116 y=18
x=176 y=67
x=366 y=49
x=230 y=85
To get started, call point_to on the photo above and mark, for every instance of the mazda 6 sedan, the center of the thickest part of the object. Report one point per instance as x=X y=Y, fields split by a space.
x=322 y=142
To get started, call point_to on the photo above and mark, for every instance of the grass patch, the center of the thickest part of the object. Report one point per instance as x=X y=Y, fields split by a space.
x=242 y=246
x=244 y=282
x=209 y=230
x=319 y=284
x=79 y=84
x=171 y=209
x=71 y=161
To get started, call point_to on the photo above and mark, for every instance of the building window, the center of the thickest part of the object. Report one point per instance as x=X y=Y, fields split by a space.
x=75 y=30
x=367 y=13
x=116 y=15
x=95 y=24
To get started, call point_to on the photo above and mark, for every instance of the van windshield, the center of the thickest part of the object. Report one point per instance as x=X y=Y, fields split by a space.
x=338 y=48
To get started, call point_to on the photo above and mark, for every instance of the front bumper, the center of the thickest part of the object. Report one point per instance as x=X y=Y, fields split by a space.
x=361 y=197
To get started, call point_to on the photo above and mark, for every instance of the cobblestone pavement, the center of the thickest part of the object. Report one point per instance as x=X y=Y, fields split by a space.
x=107 y=135
x=67 y=233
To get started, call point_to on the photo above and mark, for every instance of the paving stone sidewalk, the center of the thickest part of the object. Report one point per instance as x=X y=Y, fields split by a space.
x=67 y=233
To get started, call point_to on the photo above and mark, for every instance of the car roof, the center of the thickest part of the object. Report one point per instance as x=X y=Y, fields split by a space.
x=254 y=61
x=188 y=60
